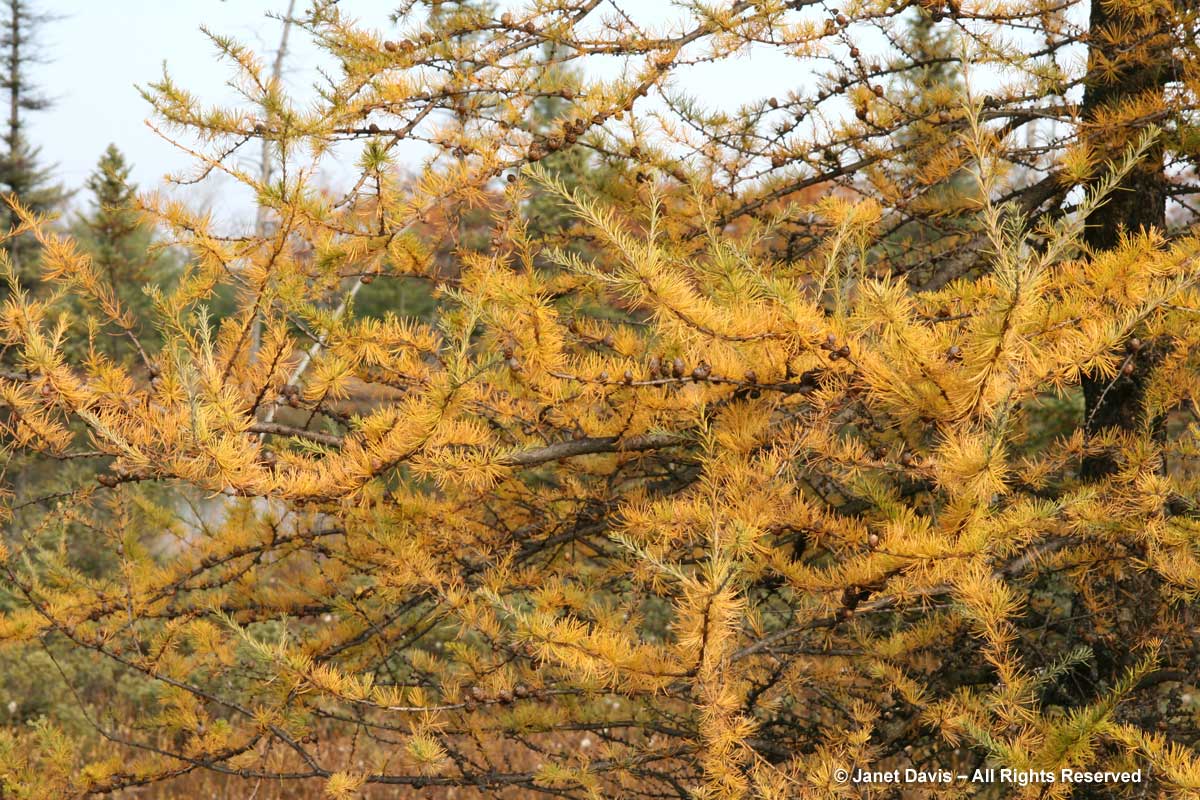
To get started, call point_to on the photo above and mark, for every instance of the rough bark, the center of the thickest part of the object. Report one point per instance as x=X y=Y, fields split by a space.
x=1139 y=203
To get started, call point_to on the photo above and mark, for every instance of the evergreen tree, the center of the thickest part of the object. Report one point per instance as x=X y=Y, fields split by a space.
x=121 y=245
x=118 y=237
x=21 y=174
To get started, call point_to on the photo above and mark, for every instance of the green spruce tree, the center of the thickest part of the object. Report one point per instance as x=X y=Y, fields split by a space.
x=21 y=174
x=118 y=237
x=121 y=245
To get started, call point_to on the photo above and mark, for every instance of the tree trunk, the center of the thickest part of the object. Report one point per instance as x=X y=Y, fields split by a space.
x=14 y=119
x=1138 y=203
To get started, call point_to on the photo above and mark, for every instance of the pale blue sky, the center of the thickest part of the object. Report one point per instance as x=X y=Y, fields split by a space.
x=98 y=50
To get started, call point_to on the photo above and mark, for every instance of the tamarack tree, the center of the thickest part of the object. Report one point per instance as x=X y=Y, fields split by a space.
x=841 y=429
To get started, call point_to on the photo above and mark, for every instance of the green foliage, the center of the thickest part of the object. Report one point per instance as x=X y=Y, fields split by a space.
x=21 y=175
x=121 y=244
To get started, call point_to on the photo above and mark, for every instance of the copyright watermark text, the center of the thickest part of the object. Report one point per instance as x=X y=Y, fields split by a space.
x=1017 y=777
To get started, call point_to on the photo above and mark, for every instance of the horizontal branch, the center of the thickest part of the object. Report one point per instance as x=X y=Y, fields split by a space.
x=330 y=439
x=525 y=458
x=590 y=446
x=1018 y=566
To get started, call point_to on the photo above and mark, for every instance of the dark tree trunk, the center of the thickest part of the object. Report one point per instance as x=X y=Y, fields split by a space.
x=14 y=116
x=1139 y=203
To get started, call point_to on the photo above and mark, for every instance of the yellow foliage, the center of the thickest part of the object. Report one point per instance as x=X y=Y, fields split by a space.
x=620 y=449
